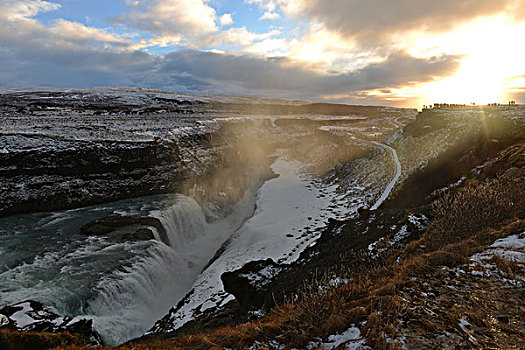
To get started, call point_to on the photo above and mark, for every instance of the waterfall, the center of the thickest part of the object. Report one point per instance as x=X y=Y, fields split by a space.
x=130 y=299
x=183 y=221
x=124 y=287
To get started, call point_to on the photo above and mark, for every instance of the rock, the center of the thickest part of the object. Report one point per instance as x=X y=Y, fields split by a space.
x=32 y=316
x=248 y=284
x=79 y=173
x=503 y=319
x=514 y=173
x=121 y=228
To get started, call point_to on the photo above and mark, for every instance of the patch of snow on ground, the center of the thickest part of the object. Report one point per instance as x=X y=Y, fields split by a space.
x=511 y=242
x=463 y=324
x=262 y=277
x=21 y=318
x=338 y=281
x=511 y=248
x=272 y=344
x=465 y=327
x=3 y=320
x=351 y=339
x=400 y=235
x=419 y=221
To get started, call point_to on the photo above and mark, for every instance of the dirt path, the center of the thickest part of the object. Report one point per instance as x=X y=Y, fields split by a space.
x=392 y=183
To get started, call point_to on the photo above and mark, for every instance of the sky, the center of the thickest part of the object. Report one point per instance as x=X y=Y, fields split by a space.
x=404 y=53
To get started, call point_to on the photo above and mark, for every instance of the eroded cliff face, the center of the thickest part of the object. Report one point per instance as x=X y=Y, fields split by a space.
x=63 y=149
x=64 y=157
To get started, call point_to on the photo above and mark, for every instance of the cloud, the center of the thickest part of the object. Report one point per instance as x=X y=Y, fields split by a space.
x=374 y=21
x=274 y=77
x=191 y=20
x=226 y=19
x=34 y=63
x=68 y=53
x=268 y=5
x=20 y=9
x=75 y=31
x=242 y=36
x=65 y=53
x=269 y=47
x=270 y=15
x=18 y=27
x=31 y=57
x=189 y=23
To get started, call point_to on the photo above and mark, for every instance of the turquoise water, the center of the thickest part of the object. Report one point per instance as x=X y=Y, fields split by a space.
x=124 y=287
x=43 y=257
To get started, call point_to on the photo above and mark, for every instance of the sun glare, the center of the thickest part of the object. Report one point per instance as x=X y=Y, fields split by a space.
x=491 y=64
x=474 y=83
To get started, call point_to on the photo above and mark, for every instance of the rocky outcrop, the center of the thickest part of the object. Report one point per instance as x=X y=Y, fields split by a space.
x=249 y=284
x=120 y=228
x=72 y=174
x=42 y=328
x=68 y=149
x=509 y=163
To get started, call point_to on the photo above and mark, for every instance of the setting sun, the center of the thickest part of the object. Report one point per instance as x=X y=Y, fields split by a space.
x=491 y=62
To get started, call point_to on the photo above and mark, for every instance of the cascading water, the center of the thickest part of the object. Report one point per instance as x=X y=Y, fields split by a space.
x=128 y=300
x=183 y=221
x=123 y=287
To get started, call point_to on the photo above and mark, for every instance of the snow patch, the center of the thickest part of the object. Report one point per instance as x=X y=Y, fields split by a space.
x=511 y=248
x=21 y=318
x=262 y=277
x=511 y=242
x=351 y=339
x=3 y=320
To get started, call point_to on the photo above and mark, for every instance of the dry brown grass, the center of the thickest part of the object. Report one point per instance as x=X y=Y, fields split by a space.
x=509 y=267
x=14 y=340
x=478 y=206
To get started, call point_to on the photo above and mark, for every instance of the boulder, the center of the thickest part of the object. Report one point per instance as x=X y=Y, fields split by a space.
x=121 y=228
x=249 y=284
x=514 y=173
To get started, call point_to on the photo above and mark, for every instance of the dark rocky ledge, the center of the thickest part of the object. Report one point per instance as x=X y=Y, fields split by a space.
x=33 y=318
x=83 y=173
x=126 y=228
